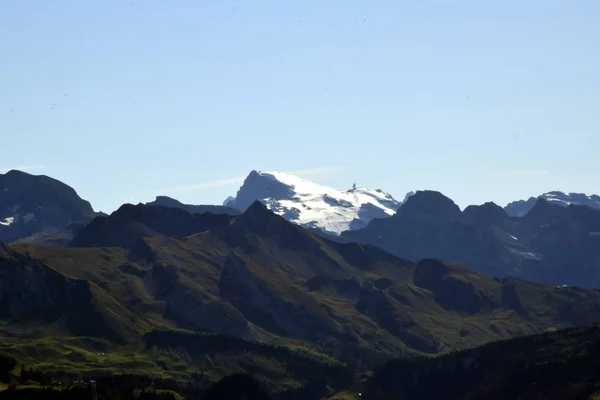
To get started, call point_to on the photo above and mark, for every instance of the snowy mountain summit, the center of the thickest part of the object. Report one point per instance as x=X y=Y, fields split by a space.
x=522 y=207
x=311 y=205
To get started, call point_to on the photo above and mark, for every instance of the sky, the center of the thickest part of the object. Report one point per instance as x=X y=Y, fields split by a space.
x=125 y=100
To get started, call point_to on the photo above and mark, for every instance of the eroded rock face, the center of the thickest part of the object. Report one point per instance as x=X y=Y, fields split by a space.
x=30 y=290
x=377 y=305
x=193 y=309
x=451 y=292
x=33 y=294
x=253 y=297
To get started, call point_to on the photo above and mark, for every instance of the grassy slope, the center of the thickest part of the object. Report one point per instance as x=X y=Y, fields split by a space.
x=405 y=314
x=372 y=304
x=180 y=356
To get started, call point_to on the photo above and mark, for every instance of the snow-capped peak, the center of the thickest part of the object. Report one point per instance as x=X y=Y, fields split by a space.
x=312 y=205
x=566 y=199
x=522 y=207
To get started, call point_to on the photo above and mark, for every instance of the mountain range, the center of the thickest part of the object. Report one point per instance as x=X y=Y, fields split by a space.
x=258 y=277
x=551 y=244
x=550 y=239
x=521 y=207
x=305 y=287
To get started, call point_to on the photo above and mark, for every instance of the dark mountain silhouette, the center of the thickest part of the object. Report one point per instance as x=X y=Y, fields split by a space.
x=32 y=206
x=551 y=244
x=165 y=201
x=521 y=207
x=132 y=222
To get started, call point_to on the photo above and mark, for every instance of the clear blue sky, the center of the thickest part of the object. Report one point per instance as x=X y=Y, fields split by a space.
x=123 y=100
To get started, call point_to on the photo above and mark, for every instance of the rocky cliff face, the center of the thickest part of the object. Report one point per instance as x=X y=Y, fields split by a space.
x=33 y=294
x=195 y=309
x=30 y=290
x=259 y=302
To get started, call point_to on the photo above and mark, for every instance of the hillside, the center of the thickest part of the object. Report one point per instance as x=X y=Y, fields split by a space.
x=257 y=283
x=555 y=365
x=258 y=277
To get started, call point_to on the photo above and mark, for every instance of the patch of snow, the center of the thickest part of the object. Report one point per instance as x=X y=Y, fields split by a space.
x=521 y=207
x=15 y=208
x=560 y=201
x=594 y=234
x=5 y=190
x=566 y=199
x=7 y=221
x=514 y=238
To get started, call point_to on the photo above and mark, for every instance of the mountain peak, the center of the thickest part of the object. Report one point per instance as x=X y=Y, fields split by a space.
x=16 y=172
x=37 y=205
x=257 y=208
x=131 y=222
x=312 y=205
x=258 y=215
x=257 y=186
x=521 y=207
x=487 y=214
x=544 y=210
x=165 y=198
x=432 y=204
